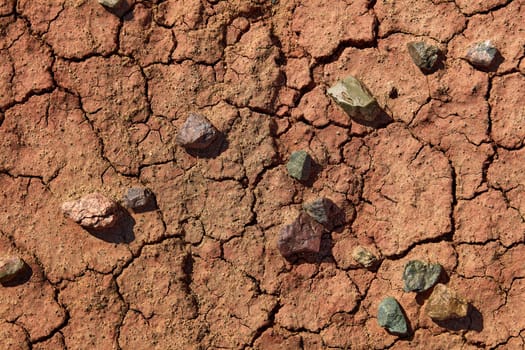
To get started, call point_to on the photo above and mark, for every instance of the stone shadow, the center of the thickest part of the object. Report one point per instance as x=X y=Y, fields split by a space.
x=122 y=232
x=473 y=321
x=22 y=277
x=218 y=146
x=381 y=121
x=121 y=10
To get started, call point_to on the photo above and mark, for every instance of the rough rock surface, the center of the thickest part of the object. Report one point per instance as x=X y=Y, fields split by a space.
x=299 y=166
x=424 y=55
x=10 y=268
x=303 y=235
x=482 y=54
x=419 y=276
x=324 y=211
x=196 y=132
x=92 y=99
x=444 y=304
x=391 y=317
x=94 y=211
x=364 y=256
x=139 y=199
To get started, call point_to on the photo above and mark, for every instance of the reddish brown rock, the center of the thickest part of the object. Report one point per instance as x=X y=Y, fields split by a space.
x=196 y=133
x=301 y=236
x=93 y=211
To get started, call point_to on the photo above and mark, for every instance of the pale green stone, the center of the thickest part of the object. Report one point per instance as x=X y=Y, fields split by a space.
x=354 y=97
x=299 y=165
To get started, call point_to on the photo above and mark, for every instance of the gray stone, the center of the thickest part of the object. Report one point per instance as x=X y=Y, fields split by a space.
x=93 y=211
x=139 y=199
x=299 y=165
x=424 y=55
x=391 y=317
x=325 y=212
x=420 y=276
x=355 y=98
x=110 y=3
x=196 y=133
x=445 y=304
x=10 y=268
x=364 y=256
x=482 y=54
x=303 y=236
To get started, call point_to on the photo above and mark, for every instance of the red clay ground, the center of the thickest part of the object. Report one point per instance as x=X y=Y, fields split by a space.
x=91 y=100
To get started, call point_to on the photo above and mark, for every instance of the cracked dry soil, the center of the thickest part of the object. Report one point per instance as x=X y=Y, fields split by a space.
x=91 y=100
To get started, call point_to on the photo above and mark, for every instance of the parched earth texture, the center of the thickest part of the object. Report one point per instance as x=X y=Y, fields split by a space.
x=92 y=99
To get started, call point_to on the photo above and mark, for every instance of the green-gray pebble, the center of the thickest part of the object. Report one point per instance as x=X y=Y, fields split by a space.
x=420 y=276
x=391 y=317
x=299 y=165
x=354 y=97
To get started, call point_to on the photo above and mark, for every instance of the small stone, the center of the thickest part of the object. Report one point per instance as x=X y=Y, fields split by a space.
x=444 y=304
x=391 y=317
x=325 y=212
x=420 y=276
x=355 y=98
x=424 y=55
x=364 y=256
x=482 y=54
x=196 y=133
x=94 y=211
x=10 y=268
x=109 y=3
x=303 y=236
x=139 y=199
x=299 y=165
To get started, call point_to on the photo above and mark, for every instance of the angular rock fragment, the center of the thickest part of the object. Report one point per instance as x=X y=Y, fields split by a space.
x=109 y=3
x=424 y=55
x=364 y=256
x=10 y=268
x=303 y=236
x=482 y=55
x=325 y=212
x=93 y=211
x=355 y=98
x=139 y=199
x=444 y=304
x=391 y=317
x=196 y=133
x=420 y=276
x=299 y=165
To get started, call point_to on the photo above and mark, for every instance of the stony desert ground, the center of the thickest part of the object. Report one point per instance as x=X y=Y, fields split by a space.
x=92 y=99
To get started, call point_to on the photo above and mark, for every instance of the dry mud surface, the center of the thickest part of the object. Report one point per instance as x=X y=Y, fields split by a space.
x=91 y=100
